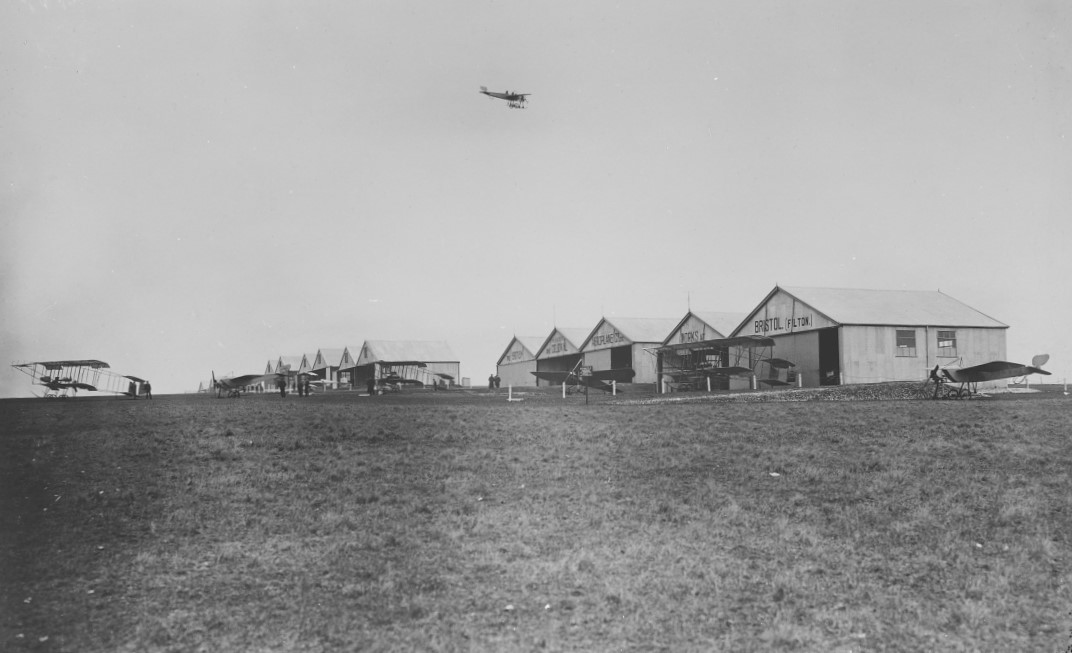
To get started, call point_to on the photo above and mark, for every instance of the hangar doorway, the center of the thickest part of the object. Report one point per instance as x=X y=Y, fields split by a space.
x=829 y=357
x=557 y=364
x=621 y=357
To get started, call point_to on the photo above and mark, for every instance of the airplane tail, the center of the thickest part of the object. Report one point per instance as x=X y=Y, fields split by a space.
x=483 y=89
x=1040 y=360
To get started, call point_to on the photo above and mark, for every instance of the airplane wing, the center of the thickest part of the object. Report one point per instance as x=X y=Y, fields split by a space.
x=553 y=377
x=55 y=365
x=992 y=371
x=622 y=375
x=736 y=370
x=742 y=342
x=780 y=363
x=249 y=379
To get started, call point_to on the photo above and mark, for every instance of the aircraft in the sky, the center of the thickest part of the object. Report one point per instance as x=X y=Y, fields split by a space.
x=584 y=377
x=234 y=385
x=65 y=378
x=513 y=100
x=969 y=378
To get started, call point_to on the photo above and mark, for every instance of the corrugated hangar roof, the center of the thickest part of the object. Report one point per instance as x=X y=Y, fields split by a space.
x=890 y=307
x=431 y=351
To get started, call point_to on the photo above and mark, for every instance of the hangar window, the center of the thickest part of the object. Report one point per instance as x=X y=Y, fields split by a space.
x=906 y=343
x=947 y=344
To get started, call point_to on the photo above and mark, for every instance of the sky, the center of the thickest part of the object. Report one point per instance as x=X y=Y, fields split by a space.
x=199 y=186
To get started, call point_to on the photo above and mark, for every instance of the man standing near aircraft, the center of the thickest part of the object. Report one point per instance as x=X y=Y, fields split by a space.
x=147 y=388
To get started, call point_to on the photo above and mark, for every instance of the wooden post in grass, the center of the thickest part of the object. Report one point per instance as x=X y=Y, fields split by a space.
x=563 y=389
x=708 y=383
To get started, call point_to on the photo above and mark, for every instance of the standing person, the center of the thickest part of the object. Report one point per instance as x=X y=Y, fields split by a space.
x=498 y=382
x=371 y=385
x=132 y=390
x=281 y=383
x=148 y=390
x=491 y=382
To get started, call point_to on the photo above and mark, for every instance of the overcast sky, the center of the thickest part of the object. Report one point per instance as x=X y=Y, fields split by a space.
x=189 y=186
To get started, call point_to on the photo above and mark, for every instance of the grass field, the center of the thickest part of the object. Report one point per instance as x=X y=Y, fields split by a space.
x=463 y=522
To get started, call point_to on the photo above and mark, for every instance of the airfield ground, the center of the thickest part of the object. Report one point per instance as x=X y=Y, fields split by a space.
x=459 y=521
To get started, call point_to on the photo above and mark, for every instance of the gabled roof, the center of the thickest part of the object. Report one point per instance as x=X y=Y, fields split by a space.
x=721 y=322
x=573 y=335
x=530 y=343
x=347 y=359
x=637 y=329
x=886 y=307
x=428 y=351
x=290 y=363
x=328 y=357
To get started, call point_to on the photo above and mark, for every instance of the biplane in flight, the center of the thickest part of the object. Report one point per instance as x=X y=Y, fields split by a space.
x=235 y=385
x=65 y=378
x=967 y=379
x=513 y=100
x=693 y=365
x=583 y=377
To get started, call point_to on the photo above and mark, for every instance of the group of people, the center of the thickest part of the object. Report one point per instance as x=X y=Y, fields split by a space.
x=146 y=389
x=494 y=381
x=303 y=386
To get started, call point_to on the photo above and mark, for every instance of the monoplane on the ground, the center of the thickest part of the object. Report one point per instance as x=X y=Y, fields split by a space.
x=513 y=100
x=234 y=386
x=65 y=378
x=962 y=382
x=694 y=365
x=582 y=377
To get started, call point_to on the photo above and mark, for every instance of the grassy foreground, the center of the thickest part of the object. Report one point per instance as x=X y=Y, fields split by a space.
x=461 y=523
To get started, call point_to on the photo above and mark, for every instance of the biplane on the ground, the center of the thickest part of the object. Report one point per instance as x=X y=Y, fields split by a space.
x=234 y=386
x=65 y=378
x=513 y=100
x=392 y=376
x=582 y=377
x=706 y=363
x=952 y=382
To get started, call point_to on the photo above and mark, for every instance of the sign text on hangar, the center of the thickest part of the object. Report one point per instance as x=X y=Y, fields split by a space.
x=780 y=323
x=784 y=314
x=607 y=336
x=558 y=346
x=517 y=353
